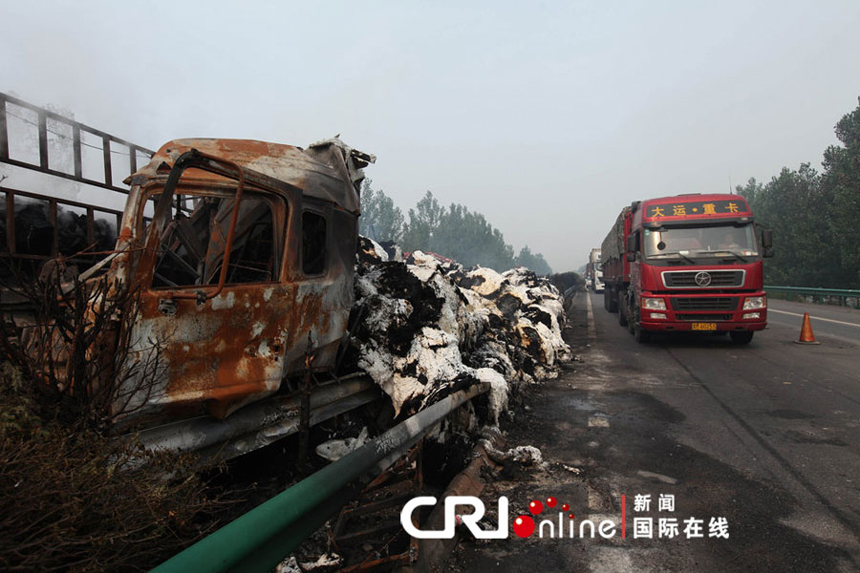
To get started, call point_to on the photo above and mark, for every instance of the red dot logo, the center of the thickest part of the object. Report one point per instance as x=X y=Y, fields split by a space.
x=565 y=507
x=571 y=516
x=524 y=526
x=551 y=502
x=535 y=507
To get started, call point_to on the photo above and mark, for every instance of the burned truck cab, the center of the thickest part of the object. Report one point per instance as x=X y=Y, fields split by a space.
x=241 y=257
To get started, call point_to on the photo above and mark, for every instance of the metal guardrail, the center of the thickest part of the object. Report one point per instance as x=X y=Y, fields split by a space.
x=263 y=537
x=818 y=293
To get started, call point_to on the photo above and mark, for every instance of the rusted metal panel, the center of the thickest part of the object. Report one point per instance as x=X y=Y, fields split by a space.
x=320 y=172
x=226 y=307
x=221 y=346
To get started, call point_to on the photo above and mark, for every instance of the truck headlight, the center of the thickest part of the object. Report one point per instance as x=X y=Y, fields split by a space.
x=755 y=302
x=653 y=304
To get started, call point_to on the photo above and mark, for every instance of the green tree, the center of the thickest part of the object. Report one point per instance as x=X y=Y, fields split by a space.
x=462 y=235
x=841 y=185
x=423 y=223
x=533 y=261
x=814 y=216
x=791 y=205
x=380 y=219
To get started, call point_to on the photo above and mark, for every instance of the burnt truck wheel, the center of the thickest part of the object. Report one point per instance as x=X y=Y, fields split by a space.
x=741 y=337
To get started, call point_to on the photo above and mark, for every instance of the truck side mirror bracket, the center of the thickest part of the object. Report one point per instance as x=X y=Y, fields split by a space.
x=633 y=242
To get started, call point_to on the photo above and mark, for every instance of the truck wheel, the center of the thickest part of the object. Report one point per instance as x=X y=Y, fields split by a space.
x=741 y=337
x=610 y=300
x=642 y=336
x=622 y=311
x=631 y=314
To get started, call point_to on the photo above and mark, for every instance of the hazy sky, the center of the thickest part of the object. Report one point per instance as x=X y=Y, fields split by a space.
x=546 y=117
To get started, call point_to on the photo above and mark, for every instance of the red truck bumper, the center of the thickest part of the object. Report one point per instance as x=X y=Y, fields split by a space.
x=704 y=313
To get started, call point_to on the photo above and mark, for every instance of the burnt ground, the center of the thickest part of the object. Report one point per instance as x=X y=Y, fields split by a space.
x=725 y=430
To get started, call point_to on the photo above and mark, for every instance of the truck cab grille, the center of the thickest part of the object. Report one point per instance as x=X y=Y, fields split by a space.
x=706 y=279
x=705 y=303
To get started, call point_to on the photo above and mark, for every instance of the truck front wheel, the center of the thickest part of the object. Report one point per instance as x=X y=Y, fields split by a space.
x=741 y=337
x=641 y=336
x=631 y=313
x=622 y=311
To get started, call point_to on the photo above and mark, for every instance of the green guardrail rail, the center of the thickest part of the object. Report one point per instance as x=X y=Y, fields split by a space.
x=818 y=293
x=260 y=539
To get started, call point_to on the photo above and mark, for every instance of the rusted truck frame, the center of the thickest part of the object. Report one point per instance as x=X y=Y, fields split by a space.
x=231 y=278
x=244 y=271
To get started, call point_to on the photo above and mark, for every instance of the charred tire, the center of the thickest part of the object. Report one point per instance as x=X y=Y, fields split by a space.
x=741 y=337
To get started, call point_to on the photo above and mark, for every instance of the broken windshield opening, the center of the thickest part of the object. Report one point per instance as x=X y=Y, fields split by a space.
x=711 y=241
x=192 y=245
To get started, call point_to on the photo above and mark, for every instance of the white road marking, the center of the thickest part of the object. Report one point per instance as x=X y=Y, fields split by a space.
x=815 y=317
x=592 y=334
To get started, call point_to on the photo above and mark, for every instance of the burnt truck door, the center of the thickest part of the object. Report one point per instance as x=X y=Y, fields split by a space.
x=215 y=313
x=323 y=274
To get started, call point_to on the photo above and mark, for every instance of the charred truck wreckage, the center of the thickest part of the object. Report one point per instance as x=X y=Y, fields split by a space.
x=240 y=255
x=250 y=309
x=232 y=303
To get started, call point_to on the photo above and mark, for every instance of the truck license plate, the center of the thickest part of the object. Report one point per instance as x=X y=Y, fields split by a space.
x=704 y=326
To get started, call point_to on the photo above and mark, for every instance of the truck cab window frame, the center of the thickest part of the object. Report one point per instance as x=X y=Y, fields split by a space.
x=191 y=248
x=314 y=243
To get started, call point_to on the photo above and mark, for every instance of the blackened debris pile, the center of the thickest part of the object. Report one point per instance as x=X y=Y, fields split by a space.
x=427 y=327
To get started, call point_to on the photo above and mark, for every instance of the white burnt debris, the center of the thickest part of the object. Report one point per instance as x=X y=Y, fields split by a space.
x=427 y=327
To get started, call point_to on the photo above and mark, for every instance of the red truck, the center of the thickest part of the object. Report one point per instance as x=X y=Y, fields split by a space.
x=688 y=263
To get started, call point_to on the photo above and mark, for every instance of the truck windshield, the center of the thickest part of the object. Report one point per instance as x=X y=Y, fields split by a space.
x=192 y=246
x=712 y=241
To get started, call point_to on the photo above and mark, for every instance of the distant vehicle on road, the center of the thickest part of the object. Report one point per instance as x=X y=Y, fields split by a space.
x=688 y=263
x=594 y=271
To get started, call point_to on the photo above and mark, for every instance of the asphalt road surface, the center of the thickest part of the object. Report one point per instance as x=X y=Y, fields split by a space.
x=766 y=436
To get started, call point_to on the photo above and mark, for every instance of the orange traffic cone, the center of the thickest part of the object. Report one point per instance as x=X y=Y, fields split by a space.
x=806 y=336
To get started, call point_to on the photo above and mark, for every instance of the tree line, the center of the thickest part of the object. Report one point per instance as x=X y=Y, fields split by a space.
x=815 y=216
x=454 y=232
